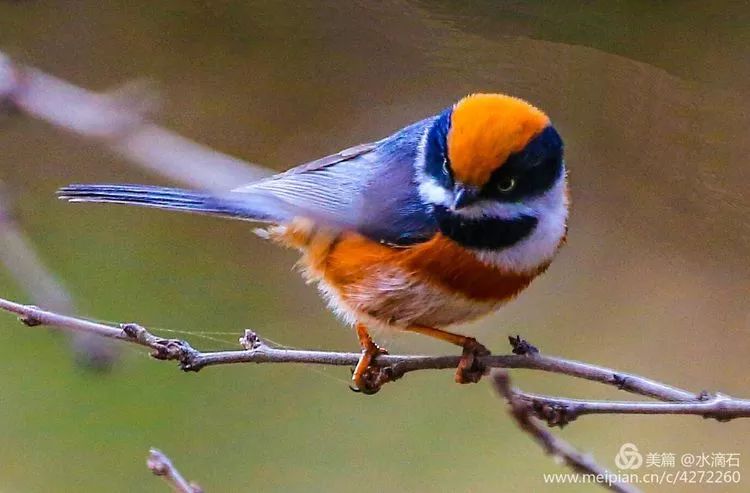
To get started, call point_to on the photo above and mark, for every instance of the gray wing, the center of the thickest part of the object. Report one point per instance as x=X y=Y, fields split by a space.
x=368 y=188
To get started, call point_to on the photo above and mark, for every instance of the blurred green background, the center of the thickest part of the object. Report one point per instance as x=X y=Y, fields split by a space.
x=651 y=98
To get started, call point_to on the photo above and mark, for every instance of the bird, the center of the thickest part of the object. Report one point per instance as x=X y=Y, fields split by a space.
x=438 y=224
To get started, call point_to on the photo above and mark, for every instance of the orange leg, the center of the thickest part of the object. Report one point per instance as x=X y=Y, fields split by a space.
x=469 y=369
x=368 y=379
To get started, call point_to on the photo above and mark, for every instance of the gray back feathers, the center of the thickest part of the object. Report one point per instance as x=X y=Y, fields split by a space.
x=368 y=188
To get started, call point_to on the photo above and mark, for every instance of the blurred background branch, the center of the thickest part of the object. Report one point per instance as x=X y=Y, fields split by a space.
x=118 y=120
x=18 y=256
x=162 y=466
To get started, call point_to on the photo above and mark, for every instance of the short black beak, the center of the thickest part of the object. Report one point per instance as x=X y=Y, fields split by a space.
x=464 y=196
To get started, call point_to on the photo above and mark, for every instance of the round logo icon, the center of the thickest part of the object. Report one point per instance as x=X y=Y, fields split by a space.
x=628 y=457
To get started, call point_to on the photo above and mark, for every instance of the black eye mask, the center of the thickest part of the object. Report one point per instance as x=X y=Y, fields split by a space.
x=533 y=170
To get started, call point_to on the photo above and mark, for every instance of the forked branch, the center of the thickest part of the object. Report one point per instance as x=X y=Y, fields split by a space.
x=524 y=415
x=526 y=408
x=556 y=411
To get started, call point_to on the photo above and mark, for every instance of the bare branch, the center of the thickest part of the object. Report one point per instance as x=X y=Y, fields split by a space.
x=160 y=465
x=552 y=445
x=559 y=411
x=118 y=120
x=256 y=351
x=526 y=408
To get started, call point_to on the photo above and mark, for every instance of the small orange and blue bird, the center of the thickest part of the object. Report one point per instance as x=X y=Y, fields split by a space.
x=438 y=224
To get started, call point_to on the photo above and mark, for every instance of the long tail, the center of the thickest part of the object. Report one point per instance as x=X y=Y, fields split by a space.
x=234 y=205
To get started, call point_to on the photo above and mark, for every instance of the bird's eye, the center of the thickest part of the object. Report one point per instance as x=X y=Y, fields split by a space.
x=506 y=185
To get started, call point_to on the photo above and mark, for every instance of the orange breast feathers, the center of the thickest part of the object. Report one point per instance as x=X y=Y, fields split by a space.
x=351 y=258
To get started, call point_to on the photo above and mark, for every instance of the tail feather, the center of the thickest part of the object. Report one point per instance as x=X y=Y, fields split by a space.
x=238 y=206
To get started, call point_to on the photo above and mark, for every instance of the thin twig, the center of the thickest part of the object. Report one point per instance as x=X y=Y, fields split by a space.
x=559 y=411
x=553 y=445
x=160 y=465
x=118 y=120
x=256 y=351
x=556 y=411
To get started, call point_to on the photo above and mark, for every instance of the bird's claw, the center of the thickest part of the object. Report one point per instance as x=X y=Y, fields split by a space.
x=368 y=379
x=470 y=368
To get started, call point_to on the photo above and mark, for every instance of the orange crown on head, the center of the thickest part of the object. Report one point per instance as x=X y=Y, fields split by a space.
x=485 y=130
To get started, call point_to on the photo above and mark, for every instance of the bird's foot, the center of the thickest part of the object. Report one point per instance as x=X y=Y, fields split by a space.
x=368 y=379
x=470 y=368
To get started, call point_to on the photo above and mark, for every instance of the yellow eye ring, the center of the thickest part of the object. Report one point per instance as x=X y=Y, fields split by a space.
x=506 y=185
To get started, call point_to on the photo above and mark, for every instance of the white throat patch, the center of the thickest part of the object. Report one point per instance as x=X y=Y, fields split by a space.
x=551 y=212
